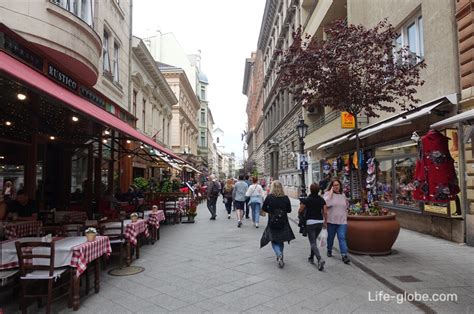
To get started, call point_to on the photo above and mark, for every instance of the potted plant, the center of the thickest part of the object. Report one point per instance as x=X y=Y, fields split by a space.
x=134 y=217
x=91 y=234
x=191 y=212
x=371 y=230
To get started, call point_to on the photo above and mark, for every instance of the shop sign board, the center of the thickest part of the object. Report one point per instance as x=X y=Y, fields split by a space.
x=347 y=120
x=20 y=51
x=61 y=77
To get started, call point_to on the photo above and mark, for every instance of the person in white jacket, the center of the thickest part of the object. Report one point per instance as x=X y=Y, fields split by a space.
x=255 y=193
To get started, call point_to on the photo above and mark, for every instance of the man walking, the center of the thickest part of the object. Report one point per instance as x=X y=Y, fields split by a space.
x=240 y=189
x=213 y=189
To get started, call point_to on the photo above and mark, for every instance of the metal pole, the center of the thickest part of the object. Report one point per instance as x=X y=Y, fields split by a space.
x=303 y=181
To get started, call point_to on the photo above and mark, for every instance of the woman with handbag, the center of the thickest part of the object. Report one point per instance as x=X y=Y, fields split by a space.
x=314 y=210
x=227 y=195
x=255 y=193
x=278 y=229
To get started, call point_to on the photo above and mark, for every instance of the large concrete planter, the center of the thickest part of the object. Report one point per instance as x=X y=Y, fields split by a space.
x=372 y=235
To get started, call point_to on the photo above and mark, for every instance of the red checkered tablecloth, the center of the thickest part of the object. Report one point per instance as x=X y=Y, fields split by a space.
x=85 y=253
x=133 y=229
x=22 y=229
x=154 y=219
x=70 y=216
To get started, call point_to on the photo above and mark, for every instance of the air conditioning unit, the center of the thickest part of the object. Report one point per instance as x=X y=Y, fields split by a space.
x=312 y=110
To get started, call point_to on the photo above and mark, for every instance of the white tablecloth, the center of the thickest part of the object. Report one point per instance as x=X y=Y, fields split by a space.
x=62 y=257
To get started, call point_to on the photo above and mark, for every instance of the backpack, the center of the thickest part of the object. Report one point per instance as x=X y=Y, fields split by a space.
x=214 y=190
x=277 y=219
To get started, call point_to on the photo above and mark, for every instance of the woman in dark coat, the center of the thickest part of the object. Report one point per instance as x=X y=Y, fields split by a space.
x=278 y=229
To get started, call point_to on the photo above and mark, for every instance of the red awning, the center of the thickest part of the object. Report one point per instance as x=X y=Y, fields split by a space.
x=25 y=74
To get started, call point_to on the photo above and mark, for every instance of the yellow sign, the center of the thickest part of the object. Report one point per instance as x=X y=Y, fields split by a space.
x=347 y=120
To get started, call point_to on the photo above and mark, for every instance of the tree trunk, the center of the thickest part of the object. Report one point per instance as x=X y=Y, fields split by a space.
x=359 y=171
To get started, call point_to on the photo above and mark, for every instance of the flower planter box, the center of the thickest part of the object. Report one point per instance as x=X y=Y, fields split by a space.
x=372 y=235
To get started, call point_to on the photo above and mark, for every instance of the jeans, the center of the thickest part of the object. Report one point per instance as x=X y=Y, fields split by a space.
x=278 y=248
x=313 y=232
x=228 y=204
x=247 y=208
x=255 y=212
x=341 y=231
x=211 y=205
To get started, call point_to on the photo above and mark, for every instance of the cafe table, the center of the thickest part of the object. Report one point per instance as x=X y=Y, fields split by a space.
x=75 y=252
x=69 y=216
x=153 y=219
x=21 y=229
x=131 y=233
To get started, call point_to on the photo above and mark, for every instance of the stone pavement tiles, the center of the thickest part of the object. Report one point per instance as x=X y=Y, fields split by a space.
x=213 y=266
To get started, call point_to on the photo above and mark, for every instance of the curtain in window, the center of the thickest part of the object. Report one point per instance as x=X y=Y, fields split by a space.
x=116 y=63
x=105 y=53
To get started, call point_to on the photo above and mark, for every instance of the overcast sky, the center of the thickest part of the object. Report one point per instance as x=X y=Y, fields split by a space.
x=226 y=31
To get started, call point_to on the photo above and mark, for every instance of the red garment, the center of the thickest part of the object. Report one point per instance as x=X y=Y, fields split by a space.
x=435 y=176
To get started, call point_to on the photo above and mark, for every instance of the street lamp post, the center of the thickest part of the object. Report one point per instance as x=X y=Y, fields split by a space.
x=302 y=129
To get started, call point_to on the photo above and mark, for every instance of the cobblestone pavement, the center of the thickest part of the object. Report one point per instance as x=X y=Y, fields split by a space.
x=213 y=266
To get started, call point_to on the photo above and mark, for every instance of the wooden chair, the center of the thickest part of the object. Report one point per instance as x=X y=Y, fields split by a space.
x=73 y=229
x=116 y=237
x=55 y=231
x=32 y=274
x=171 y=211
x=47 y=217
x=9 y=280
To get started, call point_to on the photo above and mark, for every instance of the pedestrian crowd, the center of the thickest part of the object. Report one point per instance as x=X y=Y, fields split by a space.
x=322 y=214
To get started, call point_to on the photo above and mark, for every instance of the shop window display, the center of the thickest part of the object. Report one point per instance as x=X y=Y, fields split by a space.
x=404 y=172
x=384 y=181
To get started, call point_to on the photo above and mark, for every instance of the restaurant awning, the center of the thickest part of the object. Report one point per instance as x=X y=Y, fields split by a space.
x=191 y=168
x=23 y=73
x=461 y=117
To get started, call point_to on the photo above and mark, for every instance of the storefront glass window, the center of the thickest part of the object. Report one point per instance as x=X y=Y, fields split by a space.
x=384 y=181
x=78 y=175
x=404 y=171
x=316 y=166
x=395 y=174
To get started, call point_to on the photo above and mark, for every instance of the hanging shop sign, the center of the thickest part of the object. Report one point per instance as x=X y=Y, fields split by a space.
x=347 y=120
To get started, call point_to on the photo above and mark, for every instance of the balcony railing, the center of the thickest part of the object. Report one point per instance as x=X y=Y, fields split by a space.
x=323 y=120
x=83 y=9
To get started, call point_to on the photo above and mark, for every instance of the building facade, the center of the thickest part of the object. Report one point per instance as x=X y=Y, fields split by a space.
x=389 y=137
x=184 y=124
x=252 y=88
x=70 y=62
x=280 y=112
x=151 y=103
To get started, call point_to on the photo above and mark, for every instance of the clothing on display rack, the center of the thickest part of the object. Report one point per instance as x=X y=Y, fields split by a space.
x=435 y=176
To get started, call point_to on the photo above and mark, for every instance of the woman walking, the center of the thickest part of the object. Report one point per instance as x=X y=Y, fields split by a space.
x=278 y=229
x=315 y=213
x=255 y=193
x=337 y=204
x=227 y=195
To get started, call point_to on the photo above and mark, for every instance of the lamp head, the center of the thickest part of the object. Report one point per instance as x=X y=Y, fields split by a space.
x=302 y=129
